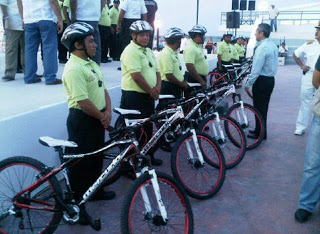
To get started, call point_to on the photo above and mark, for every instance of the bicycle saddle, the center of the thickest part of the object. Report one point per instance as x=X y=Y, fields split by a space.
x=166 y=96
x=51 y=142
x=121 y=111
x=191 y=85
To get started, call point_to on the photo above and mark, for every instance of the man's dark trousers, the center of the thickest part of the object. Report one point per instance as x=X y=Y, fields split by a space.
x=262 y=90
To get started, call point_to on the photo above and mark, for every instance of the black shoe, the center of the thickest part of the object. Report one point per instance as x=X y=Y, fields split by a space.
x=63 y=61
x=119 y=68
x=302 y=215
x=252 y=131
x=253 y=136
x=155 y=161
x=7 y=78
x=38 y=76
x=103 y=196
x=84 y=217
x=55 y=82
x=116 y=59
x=127 y=170
x=37 y=80
x=108 y=60
x=166 y=147
x=19 y=70
x=103 y=61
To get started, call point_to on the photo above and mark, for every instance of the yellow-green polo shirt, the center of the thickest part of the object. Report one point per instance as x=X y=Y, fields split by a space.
x=114 y=15
x=66 y=3
x=235 y=54
x=80 y=79
x=61 y=10
x=240 y=49
x=225 y=51
x=133 y=59
x=105 y=17
x=169 y=63
x=193 y=53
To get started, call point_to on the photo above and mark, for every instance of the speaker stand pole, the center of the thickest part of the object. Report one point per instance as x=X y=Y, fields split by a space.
x=197 y=11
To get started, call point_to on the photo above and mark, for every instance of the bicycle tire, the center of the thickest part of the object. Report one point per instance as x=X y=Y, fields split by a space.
x=253 y=118
x=234 y=145
x=17 y=173
x=177 y=205
x=208 y=178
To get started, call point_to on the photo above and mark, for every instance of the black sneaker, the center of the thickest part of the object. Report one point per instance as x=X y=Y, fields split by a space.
x=84 y=217
x=302 y=215
x=155 y=161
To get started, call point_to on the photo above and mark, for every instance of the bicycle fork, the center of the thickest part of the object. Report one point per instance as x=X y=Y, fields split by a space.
x=146 y=200
x=241 y=116
x=218 y=133
x=196 y=144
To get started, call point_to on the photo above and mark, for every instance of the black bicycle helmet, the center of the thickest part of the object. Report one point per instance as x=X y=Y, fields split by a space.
x=75 y=31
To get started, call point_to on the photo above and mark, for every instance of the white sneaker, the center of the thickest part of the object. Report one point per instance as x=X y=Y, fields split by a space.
x=298 y=132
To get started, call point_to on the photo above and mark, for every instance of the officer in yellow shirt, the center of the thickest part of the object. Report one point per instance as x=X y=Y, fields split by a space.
x=66 y=11
x=141 y=82
x=105 y=32
x=239 y=47
x=194 y=58
x=235 y=54
x=115 y=42
x=225 y=52
x=89 y=110
x=170 y=67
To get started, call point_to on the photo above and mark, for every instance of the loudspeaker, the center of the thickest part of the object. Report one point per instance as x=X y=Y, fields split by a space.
x=233 y=19
x=243 y=5
x=252 y=5
x=235 y=5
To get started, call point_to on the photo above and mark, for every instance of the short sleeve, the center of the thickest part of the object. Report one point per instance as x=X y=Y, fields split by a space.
x=124 y=5
x=220 y=49
x=143 y=8
x=318 y=64
x=133 y=63
x=66 y=3
x=76 y=84
x=166 y=65
x=300 y=51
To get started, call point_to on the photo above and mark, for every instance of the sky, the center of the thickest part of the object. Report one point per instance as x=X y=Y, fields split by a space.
x=182 y=13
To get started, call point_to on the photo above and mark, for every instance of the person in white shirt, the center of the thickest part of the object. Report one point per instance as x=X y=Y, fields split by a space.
x=283 y=50
x=130 y=11
x=311 y=51
x=89 y=11
x=14 y=38
x=40 y=26
x=273 y=14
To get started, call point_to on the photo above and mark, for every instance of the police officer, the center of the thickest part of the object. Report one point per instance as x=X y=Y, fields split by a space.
x=240 y=49
x=310 y=50
x=194 y=58
x=225 y=52
x=89 y=110
x=141 y=82
x=170 y=66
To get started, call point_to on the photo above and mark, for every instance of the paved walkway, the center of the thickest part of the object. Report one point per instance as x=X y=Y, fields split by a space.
x=258 y=196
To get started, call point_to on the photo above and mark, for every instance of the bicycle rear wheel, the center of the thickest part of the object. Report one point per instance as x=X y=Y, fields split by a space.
x=199 y=181
x=16 y=174
x=231 y=140
x=135 y=219
x=255 y=122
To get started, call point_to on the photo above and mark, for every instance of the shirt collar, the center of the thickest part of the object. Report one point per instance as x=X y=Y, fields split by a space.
x=195 y=44
x=138 y=47
x=79 y=60
x=171 y=50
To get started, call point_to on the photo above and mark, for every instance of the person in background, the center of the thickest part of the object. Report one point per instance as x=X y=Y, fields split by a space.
x=310 y=50
x=194 y=58
x=152 y=8
x=261 y=78
x=14 y=38
x=235 y=54
x=141 y=81
x=184 y=43
x=209 y=45
x=105 y=32
x=62 y=50
x=214 y=48
x=225 y=52
x=40 y=26
x=283 y=50
x=273 y=14
x=310 y=189
x=89 y=11
x=115 y=42
x=67 y=11
x=89 y=111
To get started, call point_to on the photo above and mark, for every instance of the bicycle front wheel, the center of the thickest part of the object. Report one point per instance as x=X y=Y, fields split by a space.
x=200 y=180
x=135 y=218
x=229 y=135
x=16 y=174
x=250 y=121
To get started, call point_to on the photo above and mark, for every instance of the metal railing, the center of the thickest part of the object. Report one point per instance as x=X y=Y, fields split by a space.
x=284 y=17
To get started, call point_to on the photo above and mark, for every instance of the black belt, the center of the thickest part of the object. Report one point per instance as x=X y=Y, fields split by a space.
x=74 y=110
x=269 y=77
